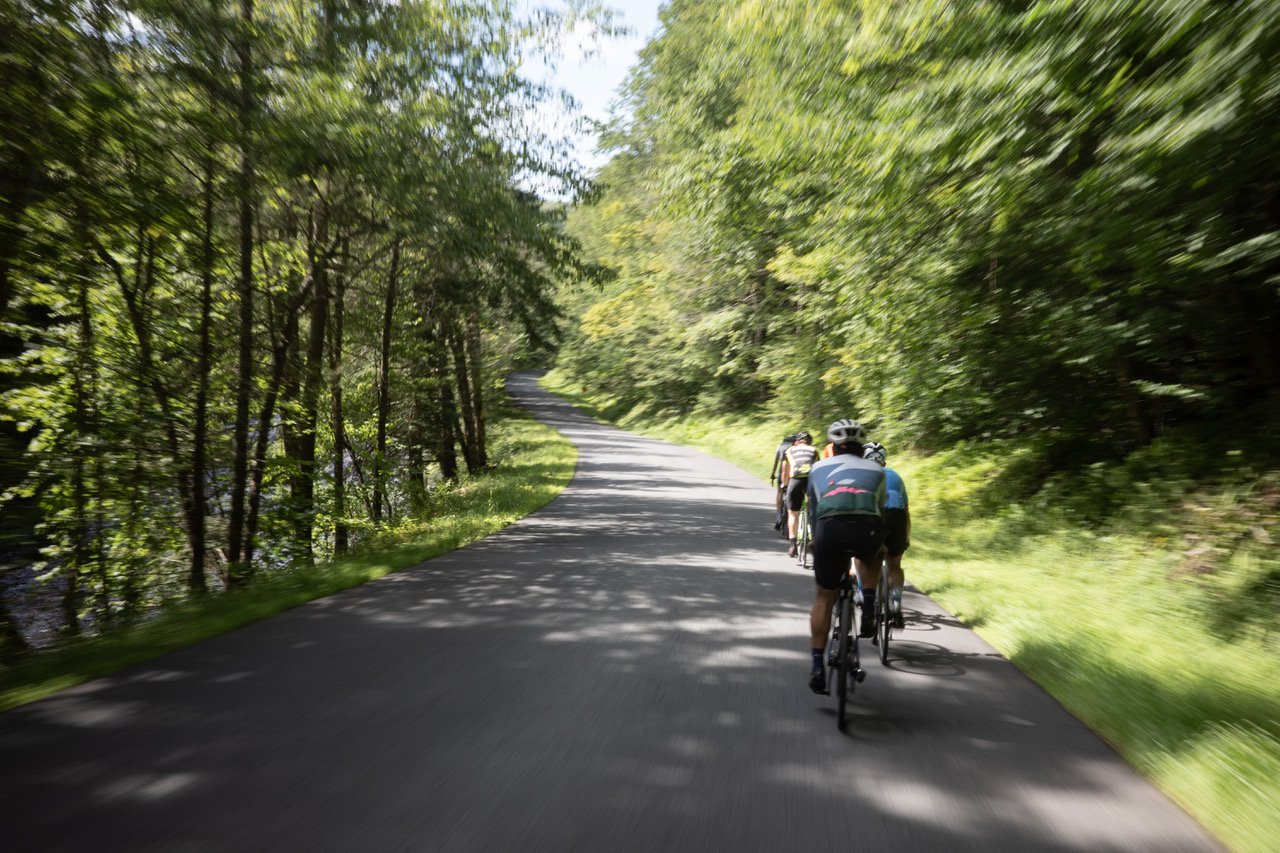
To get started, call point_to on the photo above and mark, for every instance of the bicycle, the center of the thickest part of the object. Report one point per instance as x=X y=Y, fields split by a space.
x=884 y=606
x=802 y=536
x=842 y=654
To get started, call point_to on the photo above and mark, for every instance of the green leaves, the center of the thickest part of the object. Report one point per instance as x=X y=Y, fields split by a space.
x=972 y=219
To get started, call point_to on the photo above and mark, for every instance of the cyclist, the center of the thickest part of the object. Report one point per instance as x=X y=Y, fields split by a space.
x=778 y=455
x=794 y=477
x=897 y=526
x=846 y=498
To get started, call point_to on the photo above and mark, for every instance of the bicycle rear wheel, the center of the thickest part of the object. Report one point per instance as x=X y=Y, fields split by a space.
x=803 y=535
x=885 y=609
x=843 y=657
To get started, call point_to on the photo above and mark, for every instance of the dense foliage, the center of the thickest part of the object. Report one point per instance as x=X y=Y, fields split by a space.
x=253 y=256
x=1046 y=219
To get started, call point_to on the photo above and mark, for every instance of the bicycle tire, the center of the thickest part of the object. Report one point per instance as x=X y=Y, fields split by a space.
x=803 y=536
x=885 y=629
x=842 y=658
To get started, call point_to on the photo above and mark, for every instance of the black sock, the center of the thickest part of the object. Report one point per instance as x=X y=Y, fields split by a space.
x=817 y=659
x=869 y=601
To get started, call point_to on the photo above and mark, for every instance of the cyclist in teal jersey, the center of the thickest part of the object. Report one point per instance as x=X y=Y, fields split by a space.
x=897 y=526
x=846 y=496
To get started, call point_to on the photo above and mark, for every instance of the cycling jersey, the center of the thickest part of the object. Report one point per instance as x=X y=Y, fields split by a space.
x=801 y=458
x=845 y=485
x=895 y=490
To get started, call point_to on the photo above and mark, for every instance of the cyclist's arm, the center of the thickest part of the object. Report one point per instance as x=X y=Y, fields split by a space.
x=784 y=476
x=906 y=514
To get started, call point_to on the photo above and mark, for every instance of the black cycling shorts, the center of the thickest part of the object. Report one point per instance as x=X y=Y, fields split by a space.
x=839 y=537
x=795 y=492
x=895 y=532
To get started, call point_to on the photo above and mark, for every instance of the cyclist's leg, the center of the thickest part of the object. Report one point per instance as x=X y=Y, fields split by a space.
x=820 y=617
x=829 y=564
x=795 y=498
x=868 y=534
x=895 y=542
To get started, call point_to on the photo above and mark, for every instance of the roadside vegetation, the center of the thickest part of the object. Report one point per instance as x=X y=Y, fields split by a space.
x=1156 y=626
x=531 y=465
x=261 y=264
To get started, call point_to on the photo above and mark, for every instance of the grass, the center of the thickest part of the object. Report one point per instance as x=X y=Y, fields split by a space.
x=1106 y=620
x=533 y=465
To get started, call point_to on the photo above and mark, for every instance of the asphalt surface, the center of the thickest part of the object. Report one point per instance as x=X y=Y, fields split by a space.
x=623 y=670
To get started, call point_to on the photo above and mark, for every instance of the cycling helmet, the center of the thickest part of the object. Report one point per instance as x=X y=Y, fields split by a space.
x=845 y=431
x=803 y=436
x=875 y=452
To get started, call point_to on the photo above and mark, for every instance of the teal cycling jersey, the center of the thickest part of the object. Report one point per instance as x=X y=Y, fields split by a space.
x=846 y=485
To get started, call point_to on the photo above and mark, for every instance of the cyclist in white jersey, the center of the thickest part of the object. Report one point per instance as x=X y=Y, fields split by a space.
x=796 y=463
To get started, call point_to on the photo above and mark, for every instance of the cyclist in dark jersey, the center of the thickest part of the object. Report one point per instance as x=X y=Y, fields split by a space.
x=846 y=501
x=778 y=455
x=897 y=526
x=796 y=463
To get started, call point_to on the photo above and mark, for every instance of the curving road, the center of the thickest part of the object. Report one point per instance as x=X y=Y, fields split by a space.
x=624 y=669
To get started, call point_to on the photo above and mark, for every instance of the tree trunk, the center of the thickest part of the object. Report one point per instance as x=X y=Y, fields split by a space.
x=199 y=505
x=446 y=413
x=305 y=483
x=282 y=356
x=476 y=367
x=135 y=297
x=130 y=592
x=414 y=440
x=79 y=490
x=384 y=385
x=237 y=561
x=466 y=427
x=339 y=427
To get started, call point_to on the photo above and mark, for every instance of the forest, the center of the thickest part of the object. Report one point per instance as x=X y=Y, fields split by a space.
x=263 y=262
x=1051 y=220
x=260 y=262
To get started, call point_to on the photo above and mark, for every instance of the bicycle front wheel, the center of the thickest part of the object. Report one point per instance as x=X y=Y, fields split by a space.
x=803 y=536
x=885 y=609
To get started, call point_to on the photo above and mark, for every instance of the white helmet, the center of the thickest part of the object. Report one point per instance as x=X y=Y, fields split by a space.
x=875 y=452
x=845 y=431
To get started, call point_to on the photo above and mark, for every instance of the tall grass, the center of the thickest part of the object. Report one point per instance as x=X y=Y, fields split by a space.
x=1119 y=614
x=532 y=463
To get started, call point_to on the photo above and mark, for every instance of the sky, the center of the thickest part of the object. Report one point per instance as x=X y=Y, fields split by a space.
x=592 y=69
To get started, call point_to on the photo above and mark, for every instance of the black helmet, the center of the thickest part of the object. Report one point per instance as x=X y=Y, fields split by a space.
x=803 y=436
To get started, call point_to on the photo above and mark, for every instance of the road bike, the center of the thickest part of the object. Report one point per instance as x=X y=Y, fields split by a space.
x=842 y=654
x=803 y=540
x=884 y=606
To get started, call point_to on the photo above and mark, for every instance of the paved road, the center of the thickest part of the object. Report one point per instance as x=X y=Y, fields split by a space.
x=624 y=669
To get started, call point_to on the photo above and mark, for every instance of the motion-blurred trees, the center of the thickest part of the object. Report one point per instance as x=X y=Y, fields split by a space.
x=1042 y=218
x=250 y=255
